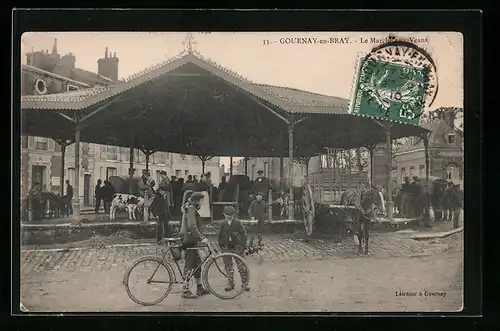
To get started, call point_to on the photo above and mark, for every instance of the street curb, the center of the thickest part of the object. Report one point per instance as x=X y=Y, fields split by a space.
x=142 y=224
x=72 y=249
x=438 y=235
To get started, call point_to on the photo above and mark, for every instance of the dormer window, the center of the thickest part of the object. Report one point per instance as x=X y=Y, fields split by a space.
x=70 y=87
x=451 y=139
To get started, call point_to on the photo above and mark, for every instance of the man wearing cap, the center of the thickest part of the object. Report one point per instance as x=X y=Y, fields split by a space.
x=147 y=192
x=191 y=236
x=257 y=211
x=232 y=237
x=163 y=213
x=261 y=184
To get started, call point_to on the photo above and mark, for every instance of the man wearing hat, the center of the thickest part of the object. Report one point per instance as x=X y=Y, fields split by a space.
x=232 y=237
x=165 y=188
x=257 y=211
x=417 y=196
x=191 y=236
x=163 y=210
x=147 y=192
x=261 y=184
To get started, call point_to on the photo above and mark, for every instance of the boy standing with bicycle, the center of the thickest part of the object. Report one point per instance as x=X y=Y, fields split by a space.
x=191 y=237
x=232 y=238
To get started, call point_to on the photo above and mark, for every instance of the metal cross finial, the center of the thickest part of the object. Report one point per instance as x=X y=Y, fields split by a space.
x=189 y=43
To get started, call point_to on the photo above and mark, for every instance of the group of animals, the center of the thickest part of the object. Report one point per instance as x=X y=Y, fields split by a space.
x=47 y=205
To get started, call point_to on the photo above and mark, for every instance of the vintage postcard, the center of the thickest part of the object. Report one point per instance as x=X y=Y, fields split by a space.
x=242 y=172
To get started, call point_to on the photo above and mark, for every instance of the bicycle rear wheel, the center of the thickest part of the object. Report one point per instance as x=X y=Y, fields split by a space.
x=216 y=277
x=149 y=274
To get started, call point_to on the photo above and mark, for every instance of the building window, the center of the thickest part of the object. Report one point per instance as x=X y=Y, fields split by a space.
x=452 y=172
x=57 y=147
x=451 y=139
x=71 y=176
x=72 y=88
x=125 y=153
x=111 y=172
x=86 y=148
x=160 y=158
x=412 y=172
x=403 y=174
x=421 y=171
x=41 y=143
x=111 y=152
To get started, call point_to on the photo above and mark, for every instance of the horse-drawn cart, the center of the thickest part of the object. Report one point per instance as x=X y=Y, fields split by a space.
x=324 y=189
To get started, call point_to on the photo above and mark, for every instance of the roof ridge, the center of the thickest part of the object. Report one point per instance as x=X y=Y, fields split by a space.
x=300 y=90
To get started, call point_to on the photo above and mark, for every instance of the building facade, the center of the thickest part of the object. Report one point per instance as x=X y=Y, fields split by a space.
x=446 y=155
x=271 y=167
x=41 y=158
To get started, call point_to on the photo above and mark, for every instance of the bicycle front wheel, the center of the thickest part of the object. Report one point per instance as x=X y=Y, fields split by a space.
x=226 y=275
x=149 y=280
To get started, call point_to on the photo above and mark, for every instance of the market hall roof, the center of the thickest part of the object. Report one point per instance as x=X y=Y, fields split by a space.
x=291 y=100
x=192 y=105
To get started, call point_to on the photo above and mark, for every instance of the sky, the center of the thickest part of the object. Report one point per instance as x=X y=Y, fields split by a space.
x=321 y=68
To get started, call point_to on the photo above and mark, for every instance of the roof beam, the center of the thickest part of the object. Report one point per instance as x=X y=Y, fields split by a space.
x=269 y=108
x=107 y=104
x=69 y=118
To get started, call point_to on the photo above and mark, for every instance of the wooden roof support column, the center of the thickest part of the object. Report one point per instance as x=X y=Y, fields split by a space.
x=148 y=153
x=131 y=169
x=290 y=169
x=63 y=143
x=425 y=139
x=390 y=204
x=371 y=148
x=245 y=160
x=204 y=159
x=76 y=219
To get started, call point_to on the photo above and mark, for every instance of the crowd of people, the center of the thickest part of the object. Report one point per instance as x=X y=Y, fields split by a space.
x=414 y=200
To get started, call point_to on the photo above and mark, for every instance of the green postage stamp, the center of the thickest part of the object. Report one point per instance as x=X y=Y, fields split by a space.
x=390 y=91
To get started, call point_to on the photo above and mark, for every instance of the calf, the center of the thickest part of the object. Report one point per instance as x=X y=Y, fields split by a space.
x=128 y=202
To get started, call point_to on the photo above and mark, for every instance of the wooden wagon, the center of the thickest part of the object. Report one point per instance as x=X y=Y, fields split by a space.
x=324 y=189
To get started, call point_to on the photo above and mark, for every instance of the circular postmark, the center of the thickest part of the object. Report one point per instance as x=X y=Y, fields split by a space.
x=406 y=53
x=396 y=80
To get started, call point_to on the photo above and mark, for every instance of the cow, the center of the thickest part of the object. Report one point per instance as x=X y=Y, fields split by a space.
x=128 y=202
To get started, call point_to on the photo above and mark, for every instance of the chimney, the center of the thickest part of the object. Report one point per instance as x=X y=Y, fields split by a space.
x=108 y=66
x=54 y=48
x=449 y=118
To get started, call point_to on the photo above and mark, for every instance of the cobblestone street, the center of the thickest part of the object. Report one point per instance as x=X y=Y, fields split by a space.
x=288 y=275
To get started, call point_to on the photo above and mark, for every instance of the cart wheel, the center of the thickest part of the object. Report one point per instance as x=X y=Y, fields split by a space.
x=308 y=209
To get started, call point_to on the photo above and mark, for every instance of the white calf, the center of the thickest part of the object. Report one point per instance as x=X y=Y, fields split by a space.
x=128 y=202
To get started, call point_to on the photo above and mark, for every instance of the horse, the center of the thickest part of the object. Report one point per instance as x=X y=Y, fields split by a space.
x=368 y=204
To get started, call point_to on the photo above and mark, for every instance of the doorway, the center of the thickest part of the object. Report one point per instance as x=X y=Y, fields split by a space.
x=37 y=176
x=86 y=190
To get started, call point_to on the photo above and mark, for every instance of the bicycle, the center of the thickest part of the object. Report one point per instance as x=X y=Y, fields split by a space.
x=213 y=258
